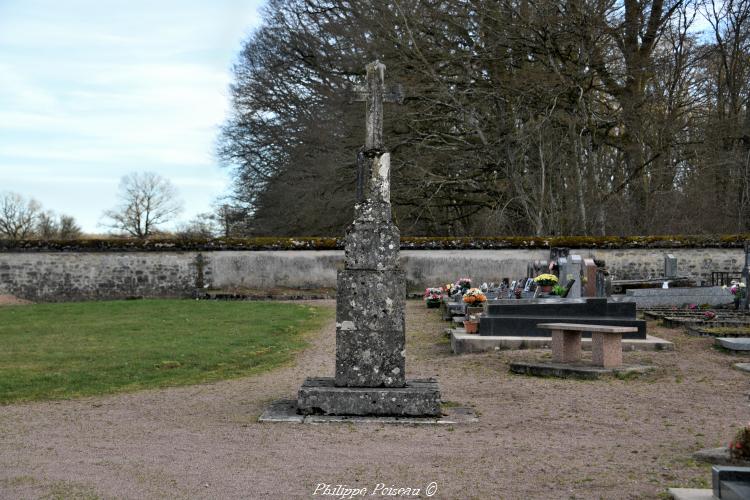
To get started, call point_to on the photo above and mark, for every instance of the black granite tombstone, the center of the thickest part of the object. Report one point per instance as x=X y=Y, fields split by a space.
x=518 y=318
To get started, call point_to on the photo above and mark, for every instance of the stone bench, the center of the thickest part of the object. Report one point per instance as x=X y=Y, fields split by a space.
x=606 y=342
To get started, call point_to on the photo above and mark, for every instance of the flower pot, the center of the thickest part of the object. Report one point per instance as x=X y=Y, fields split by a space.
x=433 y=303
x=471 y=326
x=546 y=288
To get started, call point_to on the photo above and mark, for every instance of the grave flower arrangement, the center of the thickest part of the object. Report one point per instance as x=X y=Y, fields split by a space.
x=709 y=315
x=738 y=290
x=464 y=283
x=739 y=448
x=432 y=297
x=474 y=297
x=460 y=286
x=546 y=280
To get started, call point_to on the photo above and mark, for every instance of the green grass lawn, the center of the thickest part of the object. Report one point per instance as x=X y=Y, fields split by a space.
x=52 y=351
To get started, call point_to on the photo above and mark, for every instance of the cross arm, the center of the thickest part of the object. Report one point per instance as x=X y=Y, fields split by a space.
x=391 y=94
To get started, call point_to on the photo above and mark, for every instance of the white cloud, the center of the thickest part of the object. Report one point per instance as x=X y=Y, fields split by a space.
x=91 y=90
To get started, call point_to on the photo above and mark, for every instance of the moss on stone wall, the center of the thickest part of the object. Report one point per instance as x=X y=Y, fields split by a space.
x=613 y=242
x=408 y=242
x=171 y=244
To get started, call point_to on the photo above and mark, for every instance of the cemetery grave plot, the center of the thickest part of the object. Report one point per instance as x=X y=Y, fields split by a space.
x=711 y=322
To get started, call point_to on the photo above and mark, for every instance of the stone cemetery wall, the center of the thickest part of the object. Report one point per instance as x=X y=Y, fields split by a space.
x=82 y=275
x=70 y=275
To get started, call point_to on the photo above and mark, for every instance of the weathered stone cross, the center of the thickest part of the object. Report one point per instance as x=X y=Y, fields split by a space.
x=370 y=376
x=375 y=94
x=373 y=193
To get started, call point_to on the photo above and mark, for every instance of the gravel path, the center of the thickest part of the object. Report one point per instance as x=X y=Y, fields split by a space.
x=537 y=438
x=11 y=300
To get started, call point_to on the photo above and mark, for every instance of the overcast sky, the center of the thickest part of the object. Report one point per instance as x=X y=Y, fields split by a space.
x=91 y=90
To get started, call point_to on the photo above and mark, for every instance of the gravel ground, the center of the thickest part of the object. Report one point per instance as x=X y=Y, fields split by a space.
x=11 y=300
x=537 y=438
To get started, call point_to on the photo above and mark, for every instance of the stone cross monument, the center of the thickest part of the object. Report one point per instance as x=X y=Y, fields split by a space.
x=370 y=376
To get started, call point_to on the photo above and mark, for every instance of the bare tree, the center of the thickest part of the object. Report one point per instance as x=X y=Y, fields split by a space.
x=47 y=226
x=146 y=201
x=200 y=226
x=68 y=229
x=18 y=216
x=569 y=117
x=227 y=218
x=50 y=226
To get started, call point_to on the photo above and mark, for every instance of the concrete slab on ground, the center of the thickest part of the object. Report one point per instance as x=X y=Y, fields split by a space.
x=285 y=411
x=745 y=367
x=734 y=343
x=652 y=297
x=719 y=456
x=464 y=343
x=574 y=370
x=417 y=398
x=691 y=494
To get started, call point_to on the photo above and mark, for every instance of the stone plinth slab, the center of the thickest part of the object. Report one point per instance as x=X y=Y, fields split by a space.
x=654 y=297
x=285 y=411
x=320 y=396
x=691 y=494
x=572 y=370
x=463 y=343
x=719 y=456
x=734 y=344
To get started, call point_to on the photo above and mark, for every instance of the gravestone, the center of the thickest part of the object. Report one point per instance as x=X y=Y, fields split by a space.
x=562 y=265
x=603 y=284
x=670 y=266
x=570 y=269
x=370 y=377
x=730 y=483
x=746 y=276
x=519 y=318
x=590 y=272
x=576 y=268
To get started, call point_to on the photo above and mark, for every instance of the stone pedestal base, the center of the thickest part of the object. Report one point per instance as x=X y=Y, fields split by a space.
x=370 y=328
x=320 y=396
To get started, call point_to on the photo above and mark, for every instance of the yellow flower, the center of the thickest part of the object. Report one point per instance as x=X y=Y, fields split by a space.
x=546 y=279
